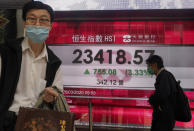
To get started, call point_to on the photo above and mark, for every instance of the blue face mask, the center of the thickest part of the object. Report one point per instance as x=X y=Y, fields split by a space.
x=37 y=34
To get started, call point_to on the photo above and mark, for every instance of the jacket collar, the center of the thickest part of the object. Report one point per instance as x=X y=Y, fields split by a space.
x=159 y=71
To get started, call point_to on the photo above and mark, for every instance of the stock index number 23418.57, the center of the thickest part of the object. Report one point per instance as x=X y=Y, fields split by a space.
x=106 y=56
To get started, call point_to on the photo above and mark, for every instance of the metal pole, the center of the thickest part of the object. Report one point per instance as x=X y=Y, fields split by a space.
x=90 y=115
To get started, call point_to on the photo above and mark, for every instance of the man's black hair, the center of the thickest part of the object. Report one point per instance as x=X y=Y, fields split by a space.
x=155 y=59
x=37 y=5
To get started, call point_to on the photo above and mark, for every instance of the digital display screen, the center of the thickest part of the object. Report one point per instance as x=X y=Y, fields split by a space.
x=73 y=5
x=104 y=62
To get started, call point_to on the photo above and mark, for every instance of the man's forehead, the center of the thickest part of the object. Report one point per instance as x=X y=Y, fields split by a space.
x=38 y=13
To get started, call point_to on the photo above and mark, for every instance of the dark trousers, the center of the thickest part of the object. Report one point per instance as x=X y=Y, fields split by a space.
x=9 y=121
x=163 y=120
x=162 y=125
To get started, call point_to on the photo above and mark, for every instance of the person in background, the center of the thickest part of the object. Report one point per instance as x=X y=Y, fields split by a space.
x=161 y=100
x=28 y=66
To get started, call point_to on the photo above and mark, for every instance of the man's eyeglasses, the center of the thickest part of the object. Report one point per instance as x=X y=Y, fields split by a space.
x=42 y=21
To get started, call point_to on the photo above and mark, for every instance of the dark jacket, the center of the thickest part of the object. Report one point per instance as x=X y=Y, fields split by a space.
x=11 y=55
x=162 y=102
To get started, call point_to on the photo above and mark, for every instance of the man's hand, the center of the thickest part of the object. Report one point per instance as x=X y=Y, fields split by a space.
x=49 y=95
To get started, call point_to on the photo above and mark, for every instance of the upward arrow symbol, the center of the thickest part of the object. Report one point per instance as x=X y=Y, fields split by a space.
x=86 y=72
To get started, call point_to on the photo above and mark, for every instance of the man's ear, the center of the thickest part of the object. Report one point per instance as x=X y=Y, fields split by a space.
x=51 y=25
x=24 y=23
x=155 y=66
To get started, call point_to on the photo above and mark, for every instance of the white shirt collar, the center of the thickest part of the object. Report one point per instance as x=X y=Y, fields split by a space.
x=160 y=71
x=26 y=46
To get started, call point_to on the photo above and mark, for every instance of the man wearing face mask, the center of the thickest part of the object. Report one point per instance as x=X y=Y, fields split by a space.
x=163 y=118
x=28 y=66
